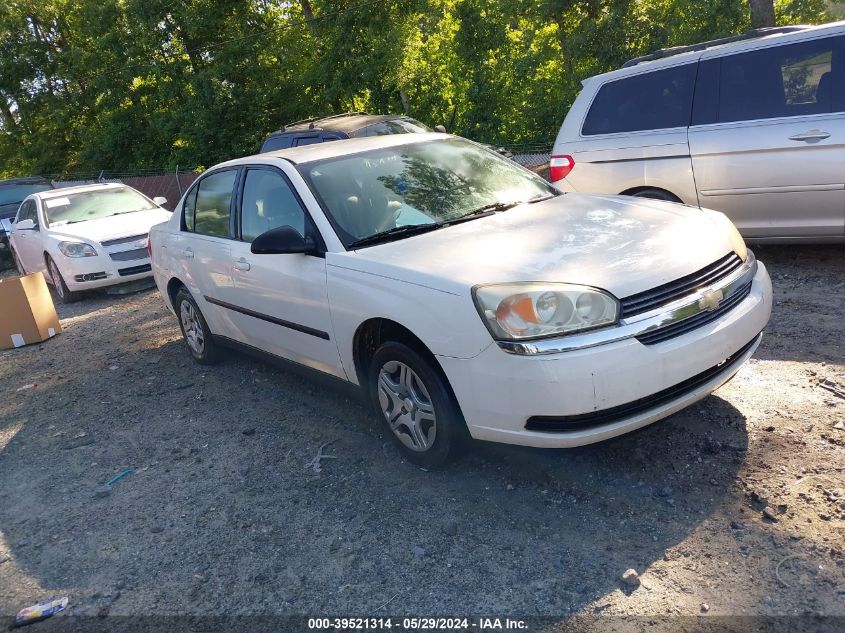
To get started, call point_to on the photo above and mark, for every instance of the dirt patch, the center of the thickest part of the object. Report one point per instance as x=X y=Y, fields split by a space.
x=736 y=504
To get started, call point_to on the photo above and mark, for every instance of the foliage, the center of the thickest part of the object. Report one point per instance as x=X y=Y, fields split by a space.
x=120 y=84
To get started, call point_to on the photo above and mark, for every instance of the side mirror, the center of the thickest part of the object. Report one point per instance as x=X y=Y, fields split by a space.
x=283 y=240
x=160 y=200
x=25 y=225
x=440 y=128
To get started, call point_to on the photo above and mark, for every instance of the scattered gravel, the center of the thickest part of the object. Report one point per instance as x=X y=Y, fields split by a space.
x=221 y=517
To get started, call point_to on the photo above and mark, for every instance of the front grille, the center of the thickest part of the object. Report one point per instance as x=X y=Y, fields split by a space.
x=124 y=240
x=134 y=270
x=564 y=423
x=126 y=256
x=667 y=293
x=682 y=327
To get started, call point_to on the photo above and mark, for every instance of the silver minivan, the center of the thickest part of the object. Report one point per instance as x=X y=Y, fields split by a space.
x=753 y=126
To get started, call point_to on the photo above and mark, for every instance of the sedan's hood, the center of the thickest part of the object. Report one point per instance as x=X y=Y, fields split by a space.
x=620 y=244
x=115 y=227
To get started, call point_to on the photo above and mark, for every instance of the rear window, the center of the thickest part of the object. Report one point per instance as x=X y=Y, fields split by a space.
x=650 y=101
x=275 y=142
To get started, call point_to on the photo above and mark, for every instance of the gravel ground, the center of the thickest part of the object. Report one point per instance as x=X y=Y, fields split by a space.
x=223 y=514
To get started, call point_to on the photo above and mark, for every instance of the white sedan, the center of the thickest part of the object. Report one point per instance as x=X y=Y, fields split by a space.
x=86 y=237
x=460 y=293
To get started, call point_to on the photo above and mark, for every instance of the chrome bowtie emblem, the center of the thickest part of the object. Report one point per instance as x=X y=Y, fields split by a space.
x=710 y=300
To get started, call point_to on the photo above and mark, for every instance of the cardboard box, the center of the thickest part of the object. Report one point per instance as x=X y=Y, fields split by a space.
x=27 y=313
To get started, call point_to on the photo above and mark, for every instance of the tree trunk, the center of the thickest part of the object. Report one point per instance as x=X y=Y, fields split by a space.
x=308 y=12
x=762 y=13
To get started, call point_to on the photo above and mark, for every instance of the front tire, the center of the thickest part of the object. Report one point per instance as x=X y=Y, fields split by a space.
x=195 y=331
x=657 y=194
x=65 y=294
x=409 y=393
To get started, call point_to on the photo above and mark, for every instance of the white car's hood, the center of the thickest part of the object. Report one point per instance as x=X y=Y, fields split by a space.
x=115 y=227
x=620 y=244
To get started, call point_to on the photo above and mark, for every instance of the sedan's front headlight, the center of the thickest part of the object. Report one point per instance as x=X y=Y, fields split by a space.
x=531 y=310
x=77 y=249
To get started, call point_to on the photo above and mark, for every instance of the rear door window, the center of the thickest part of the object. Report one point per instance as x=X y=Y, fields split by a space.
x=655 y=100
x=782 y=81
x=214 y=203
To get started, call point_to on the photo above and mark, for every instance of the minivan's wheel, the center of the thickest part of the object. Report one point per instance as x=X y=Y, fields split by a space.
x=59 y=284
x=195 y=330
x=657 y=194
x=411 y=396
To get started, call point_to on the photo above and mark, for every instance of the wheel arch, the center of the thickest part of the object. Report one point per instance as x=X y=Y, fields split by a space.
x=377 y=330
x=635 y=190
x=172 y=288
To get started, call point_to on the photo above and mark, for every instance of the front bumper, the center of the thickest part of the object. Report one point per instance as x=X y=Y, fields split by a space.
x=500 y=393
x=87 y=273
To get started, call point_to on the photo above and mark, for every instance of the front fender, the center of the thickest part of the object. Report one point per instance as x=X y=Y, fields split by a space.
x=447 y=323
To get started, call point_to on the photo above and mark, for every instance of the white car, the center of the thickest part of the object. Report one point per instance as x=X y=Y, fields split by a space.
x=464 y=295
x=86 y=237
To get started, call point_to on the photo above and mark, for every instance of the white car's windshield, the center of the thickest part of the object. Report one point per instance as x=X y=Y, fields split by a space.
x=423 y=185
x=94 y=205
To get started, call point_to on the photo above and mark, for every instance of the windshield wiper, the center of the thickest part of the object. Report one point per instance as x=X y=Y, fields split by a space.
x=396 y=232
x=541 y=197
x=132 y=211
x=493 y=207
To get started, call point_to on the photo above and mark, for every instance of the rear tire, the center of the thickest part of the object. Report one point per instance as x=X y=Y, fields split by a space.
x=197 y=335
x=411 y=397
x=657 y=194
x=65 y=294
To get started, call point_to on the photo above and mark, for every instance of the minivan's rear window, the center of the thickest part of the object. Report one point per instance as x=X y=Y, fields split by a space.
x=651 y=101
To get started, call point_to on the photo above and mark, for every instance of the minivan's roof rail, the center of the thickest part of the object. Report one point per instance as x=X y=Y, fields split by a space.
x=322 y=118
x=748 y=35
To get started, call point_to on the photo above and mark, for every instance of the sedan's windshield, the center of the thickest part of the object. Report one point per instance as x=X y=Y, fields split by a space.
x=418 y=184
x=94 y=205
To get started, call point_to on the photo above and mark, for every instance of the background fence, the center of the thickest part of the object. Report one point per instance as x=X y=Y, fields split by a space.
x=170 y=184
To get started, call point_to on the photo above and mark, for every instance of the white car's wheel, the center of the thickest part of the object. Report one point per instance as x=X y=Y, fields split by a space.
x=410 y=394
x=59 y=284
x=198 y=337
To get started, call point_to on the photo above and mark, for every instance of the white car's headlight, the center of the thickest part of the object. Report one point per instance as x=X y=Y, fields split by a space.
x=531 y=310
x=77 y=249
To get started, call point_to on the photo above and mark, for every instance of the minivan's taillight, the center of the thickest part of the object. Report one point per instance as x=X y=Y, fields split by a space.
x=559 y=167
x=150 y=245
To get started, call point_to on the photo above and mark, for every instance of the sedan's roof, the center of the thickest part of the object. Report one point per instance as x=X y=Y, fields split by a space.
x=63 y=191
x=344 y=147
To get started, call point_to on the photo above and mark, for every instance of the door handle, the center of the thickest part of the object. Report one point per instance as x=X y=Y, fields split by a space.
x=810 y=136
x=188 y=253
x=241 y=264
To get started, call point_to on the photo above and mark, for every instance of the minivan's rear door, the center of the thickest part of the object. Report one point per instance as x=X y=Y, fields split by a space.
x=768 y=138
